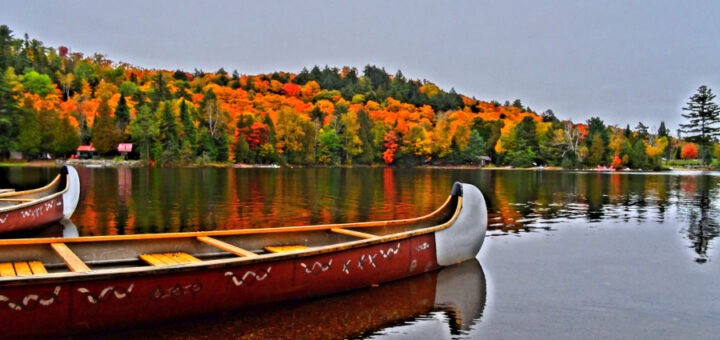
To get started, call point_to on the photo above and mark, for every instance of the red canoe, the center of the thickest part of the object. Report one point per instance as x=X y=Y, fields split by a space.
x=30 y=209
x=408 y=306
x=61 y=286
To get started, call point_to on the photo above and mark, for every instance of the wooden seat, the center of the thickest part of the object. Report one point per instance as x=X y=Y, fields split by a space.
x=22 y=268
x=168 y=259
x=282 y=249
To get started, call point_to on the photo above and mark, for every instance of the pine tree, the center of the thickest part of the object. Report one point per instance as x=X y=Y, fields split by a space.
x=67 y=138
x=29 y=137
x=105 y=136
x=168 y=128
x=189 y=141
x=122 y=116
x=662 y=130
x=475 y=148
x=143 y=129
x=9 y=114
x=703 y=115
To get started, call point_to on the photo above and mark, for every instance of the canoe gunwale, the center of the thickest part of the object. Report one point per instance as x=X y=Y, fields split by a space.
x=234 y=261
x=34 y=201
x=214 y=233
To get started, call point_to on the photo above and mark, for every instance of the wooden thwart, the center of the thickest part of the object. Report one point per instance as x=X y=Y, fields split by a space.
x=22 y=268
x=282 y=249
x=73 y=262
x=167 y=259
x=226 y=246
x=353 y=233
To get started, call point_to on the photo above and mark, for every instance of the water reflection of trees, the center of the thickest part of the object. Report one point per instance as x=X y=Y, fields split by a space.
x=127 y=201
x=525 y=201
x=701 y=216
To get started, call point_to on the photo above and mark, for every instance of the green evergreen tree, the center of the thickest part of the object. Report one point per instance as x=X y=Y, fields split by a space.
x=144 y=129
x=242 y=151
x=642 y=130
x=159 y=91
x=475 y=148
x=222 y=77
x=638 y=157
x=168 y=127
x=85 y=132
x=29 y=137
x=9 y=113
x=105 y=136
x=366 y=137
x=189 y=129
x=704 y=117
x=222 y=145
x=663 y=131
x=122 y=116
x=597 y=129
x=206 y=147
x=67 y=138
x=628 y=132
x=6 y=47
x=525 y=134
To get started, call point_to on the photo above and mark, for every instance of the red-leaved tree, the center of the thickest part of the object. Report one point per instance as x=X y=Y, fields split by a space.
x=689 y=151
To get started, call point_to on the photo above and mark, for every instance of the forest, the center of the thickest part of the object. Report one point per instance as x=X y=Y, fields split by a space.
x=53 y=100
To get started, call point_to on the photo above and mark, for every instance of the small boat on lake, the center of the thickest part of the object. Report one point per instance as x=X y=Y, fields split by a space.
x=73 y=285
x=30 y=209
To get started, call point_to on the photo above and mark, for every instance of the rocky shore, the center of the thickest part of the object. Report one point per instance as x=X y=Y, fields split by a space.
x=102 y=163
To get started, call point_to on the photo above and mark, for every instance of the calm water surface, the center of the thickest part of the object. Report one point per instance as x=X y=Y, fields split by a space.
x=568 y=255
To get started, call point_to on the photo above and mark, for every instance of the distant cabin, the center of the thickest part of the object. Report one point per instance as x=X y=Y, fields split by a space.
x=485 y=160
x=124 y=149
x=85 y=151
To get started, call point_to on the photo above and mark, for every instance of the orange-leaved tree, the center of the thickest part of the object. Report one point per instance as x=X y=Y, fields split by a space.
x=391 y=145
x=689 y=151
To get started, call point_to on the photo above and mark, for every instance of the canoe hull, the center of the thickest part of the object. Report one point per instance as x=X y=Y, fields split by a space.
x=99 y=283
x=33 y=216
x=45 y=205
x=81 y=306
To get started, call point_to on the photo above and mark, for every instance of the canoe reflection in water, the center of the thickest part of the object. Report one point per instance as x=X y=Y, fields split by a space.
x=405 y=306
x=64 y=228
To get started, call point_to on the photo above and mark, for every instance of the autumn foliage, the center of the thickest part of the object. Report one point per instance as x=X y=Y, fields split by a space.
x=318 y=116
x=689 y=151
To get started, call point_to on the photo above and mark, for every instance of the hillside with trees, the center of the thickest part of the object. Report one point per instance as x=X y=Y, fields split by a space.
x=52 y=100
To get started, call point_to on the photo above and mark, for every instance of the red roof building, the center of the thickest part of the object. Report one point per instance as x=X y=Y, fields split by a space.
x=85 y=151
x=124 y=147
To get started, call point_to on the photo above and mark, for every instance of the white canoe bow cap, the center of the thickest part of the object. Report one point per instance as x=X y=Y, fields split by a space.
x=462 y=241
x=72 y=195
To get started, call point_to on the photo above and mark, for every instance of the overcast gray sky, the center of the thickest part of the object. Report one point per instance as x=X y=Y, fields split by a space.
x=624 y=61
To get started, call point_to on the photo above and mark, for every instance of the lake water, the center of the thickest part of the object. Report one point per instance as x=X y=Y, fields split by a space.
x=567 y=255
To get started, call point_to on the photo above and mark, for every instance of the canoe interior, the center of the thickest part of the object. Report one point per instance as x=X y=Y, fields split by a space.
x=11 y=199
x=122 y=252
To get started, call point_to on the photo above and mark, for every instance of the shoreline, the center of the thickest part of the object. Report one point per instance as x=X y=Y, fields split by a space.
x=109 y=163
